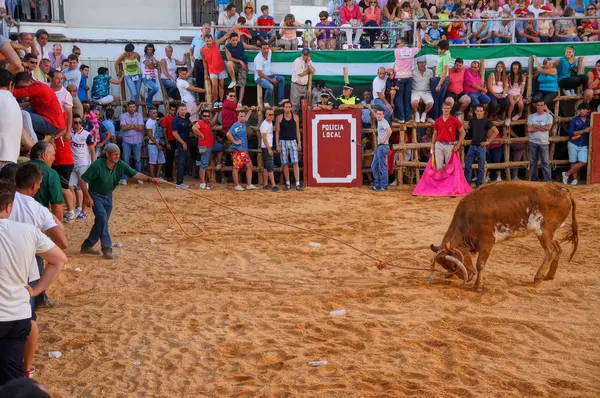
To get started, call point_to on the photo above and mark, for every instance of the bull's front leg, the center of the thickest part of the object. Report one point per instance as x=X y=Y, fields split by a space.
x=484 y=254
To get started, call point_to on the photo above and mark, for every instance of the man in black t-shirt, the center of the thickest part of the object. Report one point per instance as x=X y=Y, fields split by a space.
x=483 y=132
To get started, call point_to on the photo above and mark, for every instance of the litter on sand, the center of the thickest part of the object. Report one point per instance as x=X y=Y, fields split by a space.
x=314 y=244
x=229 y=279
x=78 y=269
x=118 y=244
x=55 y=354
x=337 y=313
x=170 y=230
x=152 y=240
x=137 y=363
x=317 y=363
x=585 y=198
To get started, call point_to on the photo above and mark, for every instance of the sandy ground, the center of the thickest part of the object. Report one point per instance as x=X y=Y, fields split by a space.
x=242 y=309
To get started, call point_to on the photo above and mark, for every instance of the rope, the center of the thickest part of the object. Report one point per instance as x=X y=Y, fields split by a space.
x=177 y=221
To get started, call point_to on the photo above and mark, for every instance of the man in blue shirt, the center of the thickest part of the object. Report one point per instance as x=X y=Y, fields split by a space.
x=196 y=57
x=579 y=138
x=238 y=137
x=83 y=83
x=235 y=51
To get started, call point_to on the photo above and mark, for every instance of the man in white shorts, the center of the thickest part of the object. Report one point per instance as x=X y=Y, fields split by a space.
x=421 y=89
x=84 y=153
x=156 y=143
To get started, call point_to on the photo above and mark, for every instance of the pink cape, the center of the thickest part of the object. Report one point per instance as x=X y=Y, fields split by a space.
x=450 y=181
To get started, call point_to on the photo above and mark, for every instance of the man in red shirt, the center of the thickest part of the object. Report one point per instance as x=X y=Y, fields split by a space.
x=206 y=141
x=214 y=65
x=443 y=142
x=167 y=125
x=46 y=113
x=228 y=118
x=455 y=93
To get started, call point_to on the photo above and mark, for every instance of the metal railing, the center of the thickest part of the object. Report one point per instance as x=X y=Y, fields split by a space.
x=197 y=12
x=52 y=11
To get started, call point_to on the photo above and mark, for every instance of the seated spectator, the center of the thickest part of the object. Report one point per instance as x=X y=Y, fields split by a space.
x=391 y=88
x=265 y=34
x=319 y=88
x=406 y=14
x=503 y=31
x=326 y=104
x=372 y=17
x=545 y=27
x=289 y=40
x=83 y=83
x=264 y=77
x=497 y=85
x=149 y=73
x=129 y=61
x=566 y=67
x=77 y=105
x=365 y=113
x=593 y=84
x=215 y=67
x=23 y=44
x=578 y=7
x=536 y=7
x=168 y=73
x=392 y=20
x=186 y=91
x=457 y=32
x=434 y=34
x=243 y=32
x=46 y=113
x=237 y=61
x=326 y=32
x=351 y=18
x=566 y=29
x=482 y=32
x=547 y=82
x=379 y=87
x=101 y=87
x=309 y=36
x=250 y=17
x=579 y=138
x=588 y=30
x=421 y=89
x=227 y=19
x=474 y=87
x=516 y=88
x=455 y=93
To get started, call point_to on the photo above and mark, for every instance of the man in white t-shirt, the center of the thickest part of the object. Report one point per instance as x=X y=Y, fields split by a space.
x=11 y=121
x=186 y=91
x=266 y=134
x=156 y=143
x=26 y=209
x=379 y=93
x=65 y=99
x=20 y=243
x=539 y=125
x=264 y=77
x=84 y=153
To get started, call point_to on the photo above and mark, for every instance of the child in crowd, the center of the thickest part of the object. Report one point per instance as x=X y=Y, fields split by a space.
x=407 y=15
x=309 y=37
x=318 y=90
x=516 y=89
x=239 y=143
x=325 y=104
x=545 y=27
x=244 y=33
x=434 y=33
x=206 y=141
x=83 y=85
x=156 y=143
x=84 y=153
x=391 y=85
x=265 y=34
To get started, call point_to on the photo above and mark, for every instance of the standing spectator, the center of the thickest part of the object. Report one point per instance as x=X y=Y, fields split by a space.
x=132 y=131
x=229 y=116
x=185 y=91
x=288 y=40
x=101 y=87
x=392 y=21
x=20 y=243
x=379 y=164
x=289 y=143
x=23 y=44
x=72 y=73
x=474 y=87
x=227 y=19
x=84 y=153
x=503 y=31
x=206 y=141
x=538 y=127
x=372 y=17
x=56 y=56
x=365 y=113
x=379 y=85
x=171 y=142
x=266 y=143
x=168 y=73
x=351 y=18
x=83 y=83
x=103 y=177
x=566 y=70
x=455 y=90
x=215 y=66
x=483 y=132
x=547 y=82
x=156 y=143
x=11 y=121
x=566 y=29
x=181 y=132
x=444 y=141
x=264 y=77
x=441 y=79
x=301 y=69
x=326 y=104
x=326 y=32
x=149 y=74
x=265 y=34
x=403 y=67
x=579 y=138
x=50 y=192
x=46 y=113
x=238 y=136
x=109 y=123
x=235 y=51
x=497 y=85
x=196 y=56
x=421 y=89
x=129 y=61
x=516 y=89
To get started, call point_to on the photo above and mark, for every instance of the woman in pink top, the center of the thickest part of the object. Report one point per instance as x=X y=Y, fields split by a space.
x=351 y=17
x=516 y=87
x=403 y=66
x=289 y=40
x=497 y=85
x=372 y=17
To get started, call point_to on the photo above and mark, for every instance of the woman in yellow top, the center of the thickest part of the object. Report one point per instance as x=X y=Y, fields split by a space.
x=130 y=60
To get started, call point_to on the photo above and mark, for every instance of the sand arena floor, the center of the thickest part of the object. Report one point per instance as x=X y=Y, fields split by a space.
x=241 y=310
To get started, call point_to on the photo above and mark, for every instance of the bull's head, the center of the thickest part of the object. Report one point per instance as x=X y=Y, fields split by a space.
x=451 y=259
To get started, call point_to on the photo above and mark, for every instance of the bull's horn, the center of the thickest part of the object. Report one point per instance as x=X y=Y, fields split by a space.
x=431 y=276
x=461 y=266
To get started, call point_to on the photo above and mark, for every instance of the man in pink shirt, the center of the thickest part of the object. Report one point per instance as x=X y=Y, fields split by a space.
x=474 y=87
x=455 y=94
x=403 y=67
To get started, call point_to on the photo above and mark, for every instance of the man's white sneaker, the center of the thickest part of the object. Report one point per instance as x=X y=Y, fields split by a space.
x=574 y=182
x=394 y=183
x=417 y=117
x=498 y=179
x=266 y=105
x=232 y=85
x=238 y=188
x=202 y=186
x=123 y=182
x=198 y=163
x=250 y=187
x=184 y=186
x=140 y=182
x=240 y=105
x=565 y=178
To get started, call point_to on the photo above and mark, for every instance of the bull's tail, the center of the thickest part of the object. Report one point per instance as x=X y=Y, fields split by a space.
x=573 y=235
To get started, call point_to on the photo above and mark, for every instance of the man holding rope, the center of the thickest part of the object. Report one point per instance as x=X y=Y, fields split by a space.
x=103 y=177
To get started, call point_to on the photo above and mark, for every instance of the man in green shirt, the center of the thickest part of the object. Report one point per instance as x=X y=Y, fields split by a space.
x=440 y=81
x=103 y=177
x=50 y=192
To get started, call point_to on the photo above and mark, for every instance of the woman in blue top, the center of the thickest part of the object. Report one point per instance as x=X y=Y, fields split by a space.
x=566 y=67
x=547 y=82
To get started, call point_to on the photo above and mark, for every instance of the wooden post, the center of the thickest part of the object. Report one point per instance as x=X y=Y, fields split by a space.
x=528 y=107
x=123 y=91
x=208 y=88
x=259 y=98
x=346 y=78
x=261 y=165
x=400 y=171
x=415 y=155
x=588 y=178
x=506 y=147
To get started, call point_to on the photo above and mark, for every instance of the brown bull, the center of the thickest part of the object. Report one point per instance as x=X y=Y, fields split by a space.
x=502 y=211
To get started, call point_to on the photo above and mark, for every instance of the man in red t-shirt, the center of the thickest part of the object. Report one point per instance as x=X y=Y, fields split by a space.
x=167 y=125
x=46 y=113
x=443 y=143
x=206 y=141
x=214 y=65
x=228 y=117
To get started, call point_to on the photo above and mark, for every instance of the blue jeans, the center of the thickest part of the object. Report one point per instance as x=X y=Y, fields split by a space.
x=134 y=87
x=379 y=166
x=137 y=156
x=205 y=158
x=40 y=125
x=268 y=86
x=152 y=90
x=456 y=41
x=473 y=40
x=569 y=39
x=479 y=153
x=479 y=98
x=192 y=145
x=379 y=103
x=543 y=153
x=402 y=100
x=171 y=87
x=438 y=98
x=498 y=40
x=102 y=209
